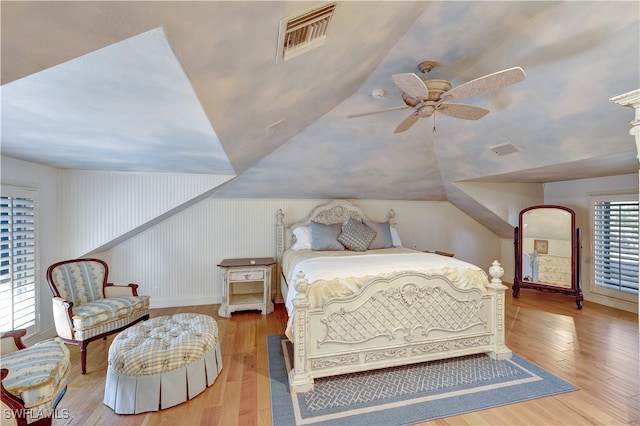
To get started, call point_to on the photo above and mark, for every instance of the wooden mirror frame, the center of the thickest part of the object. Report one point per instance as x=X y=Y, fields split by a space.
x=576 y=246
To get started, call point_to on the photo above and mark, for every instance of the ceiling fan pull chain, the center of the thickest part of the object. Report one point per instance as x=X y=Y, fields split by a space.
x=434 y=123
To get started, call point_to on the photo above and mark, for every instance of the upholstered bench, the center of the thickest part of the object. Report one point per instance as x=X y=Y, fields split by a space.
x=34 y=378
x=162 y=362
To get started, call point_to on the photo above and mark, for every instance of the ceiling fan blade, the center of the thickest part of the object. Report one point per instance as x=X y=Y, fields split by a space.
x=485 y=84
x=362 y=114
x=465 y=112
x=407 y=122
x=411 y=84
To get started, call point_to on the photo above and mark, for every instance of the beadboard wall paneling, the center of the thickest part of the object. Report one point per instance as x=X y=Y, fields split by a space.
x=176 y=260
x=98 y=207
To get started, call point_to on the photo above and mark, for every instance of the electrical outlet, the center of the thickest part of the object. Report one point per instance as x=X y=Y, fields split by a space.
x=156 y=291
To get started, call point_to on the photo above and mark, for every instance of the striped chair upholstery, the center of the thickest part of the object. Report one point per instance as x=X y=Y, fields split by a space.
x=80 y=282
x=34 y=379
x=86 y=307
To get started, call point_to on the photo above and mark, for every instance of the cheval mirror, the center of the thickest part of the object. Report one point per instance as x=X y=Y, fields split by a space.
x=547 y=247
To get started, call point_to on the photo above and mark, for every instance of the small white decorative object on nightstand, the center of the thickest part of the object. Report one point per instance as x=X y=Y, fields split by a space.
x=246 y=285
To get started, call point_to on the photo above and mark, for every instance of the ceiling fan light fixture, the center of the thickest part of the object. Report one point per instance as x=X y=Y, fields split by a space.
x=426 y=111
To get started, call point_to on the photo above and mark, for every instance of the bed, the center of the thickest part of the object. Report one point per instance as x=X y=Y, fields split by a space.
x=376 y=304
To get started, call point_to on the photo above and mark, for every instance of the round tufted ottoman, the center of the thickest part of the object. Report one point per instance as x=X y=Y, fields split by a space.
x=162 y=362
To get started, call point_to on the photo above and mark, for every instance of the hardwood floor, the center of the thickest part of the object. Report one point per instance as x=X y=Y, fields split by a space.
x=595 y=348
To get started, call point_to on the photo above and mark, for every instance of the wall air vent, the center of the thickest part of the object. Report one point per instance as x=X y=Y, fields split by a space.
x=301 y=33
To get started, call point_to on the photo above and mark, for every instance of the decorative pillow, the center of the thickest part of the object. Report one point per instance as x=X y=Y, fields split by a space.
x=395 y=237
x=302 y=238
x=325 y=237
x=383 y=234
x=356 y=236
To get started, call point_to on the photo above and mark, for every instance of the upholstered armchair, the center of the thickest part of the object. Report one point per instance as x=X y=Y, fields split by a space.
x=34 y=379
x=87 y=308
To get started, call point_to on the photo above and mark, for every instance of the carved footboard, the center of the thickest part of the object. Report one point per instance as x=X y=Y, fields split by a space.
x=408 y=318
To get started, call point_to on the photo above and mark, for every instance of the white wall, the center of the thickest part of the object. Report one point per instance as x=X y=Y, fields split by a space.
x=179 y=254
x=576 y=195
x=504 y=199
x=45 y=181
x=178 y=257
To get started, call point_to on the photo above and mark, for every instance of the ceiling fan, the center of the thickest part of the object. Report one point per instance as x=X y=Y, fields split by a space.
x=426 y=96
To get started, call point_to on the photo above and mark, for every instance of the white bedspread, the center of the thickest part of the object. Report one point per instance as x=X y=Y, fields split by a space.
x=339 y=274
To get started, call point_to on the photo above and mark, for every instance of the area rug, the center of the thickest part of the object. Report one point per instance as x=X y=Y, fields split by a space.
x=408 y=394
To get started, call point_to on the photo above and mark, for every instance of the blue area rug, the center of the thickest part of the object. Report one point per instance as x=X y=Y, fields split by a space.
x=408 y=394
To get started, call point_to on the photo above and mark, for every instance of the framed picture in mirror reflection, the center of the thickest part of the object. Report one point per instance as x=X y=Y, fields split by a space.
x=541 y=246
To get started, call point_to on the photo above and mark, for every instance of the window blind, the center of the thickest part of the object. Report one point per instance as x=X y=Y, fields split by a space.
x=616 y=245
x=17 y=261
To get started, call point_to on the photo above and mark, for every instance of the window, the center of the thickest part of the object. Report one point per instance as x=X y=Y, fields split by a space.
x=17 y=259
x=615 y=244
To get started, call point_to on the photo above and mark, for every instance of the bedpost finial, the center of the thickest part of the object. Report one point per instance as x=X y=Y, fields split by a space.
x=497 y=271
x=392 y=217
x=301 y=285
x=280 y=217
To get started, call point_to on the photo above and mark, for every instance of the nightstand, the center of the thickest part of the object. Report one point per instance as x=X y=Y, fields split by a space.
x=246 y=285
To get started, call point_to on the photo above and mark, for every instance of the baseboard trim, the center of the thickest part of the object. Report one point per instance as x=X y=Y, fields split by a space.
x=624 y=305
x=191 y=301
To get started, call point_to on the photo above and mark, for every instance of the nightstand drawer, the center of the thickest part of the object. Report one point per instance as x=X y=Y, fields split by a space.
x=247 y=275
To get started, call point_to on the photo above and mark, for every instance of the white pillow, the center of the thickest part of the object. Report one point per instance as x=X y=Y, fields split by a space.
x=395 y=237
x=302 y=236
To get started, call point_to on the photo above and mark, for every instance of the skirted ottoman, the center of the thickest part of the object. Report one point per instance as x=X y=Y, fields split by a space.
x=162 y=362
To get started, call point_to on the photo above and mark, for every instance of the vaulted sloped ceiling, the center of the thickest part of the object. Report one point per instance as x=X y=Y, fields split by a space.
x=111 y=105
x=193 y=87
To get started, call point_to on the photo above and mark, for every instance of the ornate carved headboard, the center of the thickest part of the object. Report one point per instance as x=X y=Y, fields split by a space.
x=334 y=211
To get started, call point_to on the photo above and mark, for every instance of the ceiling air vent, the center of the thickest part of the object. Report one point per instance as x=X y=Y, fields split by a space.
x=507 y=148
x=301 y=33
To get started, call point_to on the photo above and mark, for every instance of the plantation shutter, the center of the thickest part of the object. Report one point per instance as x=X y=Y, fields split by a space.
x=17 y=259
x=616 y=245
